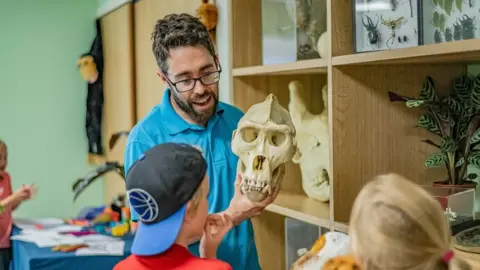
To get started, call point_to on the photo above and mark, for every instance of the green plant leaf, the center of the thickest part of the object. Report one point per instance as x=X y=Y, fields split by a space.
x=475 y=94
x=455 y=107
x=435 y=2
x=474 y=159
x=445 y=116
x=428 y=90
x=462 y=127
x=448 y=144
x=436 y=160
x=429 y=123
x=475 y=137
x=460 y=162
x=414 y=103
x=458 y=4
x=442 y=21
x=462 y=87
x=448 y=6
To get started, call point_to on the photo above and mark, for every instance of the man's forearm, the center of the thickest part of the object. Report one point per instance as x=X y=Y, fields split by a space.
x=236 y=216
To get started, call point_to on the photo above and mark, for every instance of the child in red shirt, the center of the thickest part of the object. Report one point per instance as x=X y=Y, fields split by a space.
x=9 y=202
x=168 y=188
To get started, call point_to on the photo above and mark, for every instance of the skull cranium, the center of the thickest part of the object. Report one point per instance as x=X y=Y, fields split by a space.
x=312 y=139
x=264 y=142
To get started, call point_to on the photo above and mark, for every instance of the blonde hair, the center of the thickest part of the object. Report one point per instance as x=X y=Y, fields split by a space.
x=395 y=225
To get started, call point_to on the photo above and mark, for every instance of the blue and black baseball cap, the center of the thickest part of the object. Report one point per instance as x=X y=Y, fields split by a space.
x=159 y=185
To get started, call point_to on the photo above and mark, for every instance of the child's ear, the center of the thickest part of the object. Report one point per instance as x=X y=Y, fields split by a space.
x=188 y=213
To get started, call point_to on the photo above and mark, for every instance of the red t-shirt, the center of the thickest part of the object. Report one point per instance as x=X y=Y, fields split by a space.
x=175 y=258
x=5 y=217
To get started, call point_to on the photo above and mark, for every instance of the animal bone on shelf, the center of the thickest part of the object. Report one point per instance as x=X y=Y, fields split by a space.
x=264 y=142
x=312 y=141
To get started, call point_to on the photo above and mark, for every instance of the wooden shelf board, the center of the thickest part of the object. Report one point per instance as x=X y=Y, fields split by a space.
x=465 y=51
x=341 y=227
x=298 y=67
x=301 y=207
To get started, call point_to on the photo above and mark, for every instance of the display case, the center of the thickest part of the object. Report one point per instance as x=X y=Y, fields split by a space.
x=460 y=201
x=299 y=236
x=450 y=20
x=386 y=24
x=291 y=29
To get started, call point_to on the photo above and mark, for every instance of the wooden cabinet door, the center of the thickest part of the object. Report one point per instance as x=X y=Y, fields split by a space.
x=119 y=88
x=149 y=87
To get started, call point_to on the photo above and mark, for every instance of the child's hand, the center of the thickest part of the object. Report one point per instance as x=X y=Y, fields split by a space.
x=21 y=194
x=216 y=227
x=31 y=189
x=25 y=192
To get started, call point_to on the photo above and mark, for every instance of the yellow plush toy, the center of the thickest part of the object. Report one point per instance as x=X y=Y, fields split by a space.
x=208 y=14
x=316 y=258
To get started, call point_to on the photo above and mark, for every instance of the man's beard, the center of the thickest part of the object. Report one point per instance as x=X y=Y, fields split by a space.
x=187 y=107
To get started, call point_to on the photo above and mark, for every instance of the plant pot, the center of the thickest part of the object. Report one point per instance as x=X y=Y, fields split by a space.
x=466 y=184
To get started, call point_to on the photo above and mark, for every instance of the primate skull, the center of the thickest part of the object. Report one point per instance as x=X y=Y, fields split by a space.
x=264 y=142
x=312 y=139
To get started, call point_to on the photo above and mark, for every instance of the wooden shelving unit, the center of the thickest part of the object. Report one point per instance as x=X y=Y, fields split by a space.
x=368 y=134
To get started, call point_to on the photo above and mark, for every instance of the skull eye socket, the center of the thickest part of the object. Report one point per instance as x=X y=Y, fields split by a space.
x=249 y=134
x=277 y=138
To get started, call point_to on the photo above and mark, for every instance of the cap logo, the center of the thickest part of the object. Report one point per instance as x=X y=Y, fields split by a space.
x=144 y=204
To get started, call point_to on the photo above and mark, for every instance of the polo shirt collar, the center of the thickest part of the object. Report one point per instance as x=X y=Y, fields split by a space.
x=175 y=123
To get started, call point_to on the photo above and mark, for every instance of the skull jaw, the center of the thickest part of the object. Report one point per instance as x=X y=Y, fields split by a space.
x=257 y=191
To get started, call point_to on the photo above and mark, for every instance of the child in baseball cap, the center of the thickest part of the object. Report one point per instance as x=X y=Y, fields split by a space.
x=168 y=187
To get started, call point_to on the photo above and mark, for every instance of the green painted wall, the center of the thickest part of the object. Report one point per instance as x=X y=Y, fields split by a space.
x=42 y=100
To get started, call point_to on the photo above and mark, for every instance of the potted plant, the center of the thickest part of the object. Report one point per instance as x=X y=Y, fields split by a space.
x=82 y=183
x=455 y=119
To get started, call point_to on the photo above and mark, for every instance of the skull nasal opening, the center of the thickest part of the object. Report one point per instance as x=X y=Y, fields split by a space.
x=258 y=162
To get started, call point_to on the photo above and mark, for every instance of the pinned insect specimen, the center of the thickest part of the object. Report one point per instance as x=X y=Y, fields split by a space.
x=437 y=36
x=468 y=28
x=402 y=39
x=457 y=31
x=411 y=8
x=392 y=24
x=448 y=34
x=373 y=34
x=393 y=4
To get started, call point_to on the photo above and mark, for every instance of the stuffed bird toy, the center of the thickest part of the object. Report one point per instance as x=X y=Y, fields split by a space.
x=208 y=14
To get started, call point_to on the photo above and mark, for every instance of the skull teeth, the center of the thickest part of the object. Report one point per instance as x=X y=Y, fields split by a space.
x=253 y=185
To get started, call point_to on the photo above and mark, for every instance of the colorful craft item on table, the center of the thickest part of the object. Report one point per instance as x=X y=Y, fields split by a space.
x=120 y=229
x=78 y=222
x=68 y=248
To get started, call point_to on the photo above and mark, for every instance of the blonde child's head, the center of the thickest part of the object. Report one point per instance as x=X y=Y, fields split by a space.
x=396 y=225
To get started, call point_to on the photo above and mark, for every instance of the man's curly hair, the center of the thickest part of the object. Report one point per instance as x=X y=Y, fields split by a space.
x=178 y=30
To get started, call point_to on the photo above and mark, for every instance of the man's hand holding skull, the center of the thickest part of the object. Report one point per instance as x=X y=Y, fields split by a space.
x=241 y=208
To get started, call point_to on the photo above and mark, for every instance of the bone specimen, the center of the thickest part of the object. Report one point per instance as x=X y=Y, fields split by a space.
x=264 y=142
x=312 y=141
x=328 y=246
x=322 y=45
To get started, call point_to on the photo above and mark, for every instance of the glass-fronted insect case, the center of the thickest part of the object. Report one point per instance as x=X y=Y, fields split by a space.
x=386 y=24
x=393 y=24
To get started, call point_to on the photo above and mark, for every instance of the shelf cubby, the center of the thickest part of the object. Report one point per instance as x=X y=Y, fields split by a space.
x=369 y=135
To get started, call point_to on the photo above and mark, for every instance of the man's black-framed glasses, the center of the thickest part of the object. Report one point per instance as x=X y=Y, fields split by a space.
x=206 y=79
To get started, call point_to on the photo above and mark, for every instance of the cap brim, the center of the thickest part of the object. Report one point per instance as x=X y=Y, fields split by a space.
x=151 y=239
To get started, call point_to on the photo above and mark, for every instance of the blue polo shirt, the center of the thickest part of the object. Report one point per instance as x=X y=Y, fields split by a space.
x=162 y=125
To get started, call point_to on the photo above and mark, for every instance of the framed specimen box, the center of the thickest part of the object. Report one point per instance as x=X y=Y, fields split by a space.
x=450 y=20
x=386 y=24
x=291 y=29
